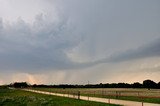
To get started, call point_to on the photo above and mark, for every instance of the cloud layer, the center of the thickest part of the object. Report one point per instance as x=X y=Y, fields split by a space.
x=38 y=46
x=73 y=38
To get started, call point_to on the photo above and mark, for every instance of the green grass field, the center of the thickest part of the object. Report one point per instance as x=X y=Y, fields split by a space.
x=10 y=97
x=145 y=95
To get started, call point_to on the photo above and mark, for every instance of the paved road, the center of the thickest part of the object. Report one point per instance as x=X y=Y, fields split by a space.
x=104 y=100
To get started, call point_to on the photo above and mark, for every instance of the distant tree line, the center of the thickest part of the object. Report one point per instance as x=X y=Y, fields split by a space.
x=20 y=85
x=146 y=84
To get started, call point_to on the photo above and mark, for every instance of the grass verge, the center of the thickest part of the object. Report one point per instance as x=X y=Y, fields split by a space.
x=10 y=97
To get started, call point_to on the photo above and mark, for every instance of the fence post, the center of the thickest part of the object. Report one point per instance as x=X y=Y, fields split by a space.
x=102 y=93
x=68 y=93
x=88 y=97
x=109 y=101
x=73 y=94
x=142 y=100
x=78 y=94
x=116 y=94
x=138 y=94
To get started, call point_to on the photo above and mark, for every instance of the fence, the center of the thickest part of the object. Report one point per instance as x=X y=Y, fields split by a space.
x=131 y=95
x=79 y=94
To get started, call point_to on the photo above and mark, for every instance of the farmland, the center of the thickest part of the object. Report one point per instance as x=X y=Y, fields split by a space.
x=141 y=95
x=14 y=97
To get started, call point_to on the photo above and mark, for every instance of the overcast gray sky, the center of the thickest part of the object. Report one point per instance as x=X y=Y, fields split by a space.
x=76 y=41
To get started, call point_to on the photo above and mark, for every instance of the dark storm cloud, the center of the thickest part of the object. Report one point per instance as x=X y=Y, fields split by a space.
x=148 y=50
x=41 y=46
x=69 y=39
x=106 y=31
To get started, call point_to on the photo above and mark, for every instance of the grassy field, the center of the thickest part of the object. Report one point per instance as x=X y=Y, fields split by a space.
x=10 y=97
x=145 y=95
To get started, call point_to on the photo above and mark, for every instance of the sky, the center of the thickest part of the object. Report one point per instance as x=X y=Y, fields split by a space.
x=79 y=41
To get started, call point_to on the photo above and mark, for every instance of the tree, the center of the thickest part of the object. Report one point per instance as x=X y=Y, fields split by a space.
x=136 y=85
x=149 y=84
x=158 y=85
x=20 y=84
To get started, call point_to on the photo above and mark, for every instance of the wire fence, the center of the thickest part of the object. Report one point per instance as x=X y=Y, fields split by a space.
x=109 y=96
x=105 y=93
